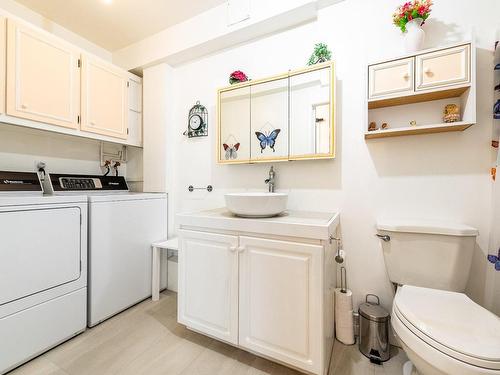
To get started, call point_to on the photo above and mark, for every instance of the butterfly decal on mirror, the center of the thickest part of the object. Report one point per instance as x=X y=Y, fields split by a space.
x=267 y=139
x=231 y=150
x=495 y=259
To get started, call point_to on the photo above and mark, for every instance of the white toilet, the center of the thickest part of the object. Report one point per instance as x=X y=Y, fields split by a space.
x=441 y=330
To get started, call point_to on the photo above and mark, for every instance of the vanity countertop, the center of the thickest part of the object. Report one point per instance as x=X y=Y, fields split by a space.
x=303 y=224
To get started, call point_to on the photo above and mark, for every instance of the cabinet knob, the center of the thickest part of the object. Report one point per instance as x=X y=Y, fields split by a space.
x=428 y=71
x=241 y=249
x=24 y=106
x=406 y=76
x=232 y=248
x=92 y=123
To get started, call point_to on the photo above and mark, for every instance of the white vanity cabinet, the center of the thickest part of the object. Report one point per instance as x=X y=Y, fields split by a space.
x=264 y=285
x=208 y=283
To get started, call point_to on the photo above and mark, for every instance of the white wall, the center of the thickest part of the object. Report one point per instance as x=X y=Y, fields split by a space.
x=441 y=176
x=21 y=149
x=12 y=8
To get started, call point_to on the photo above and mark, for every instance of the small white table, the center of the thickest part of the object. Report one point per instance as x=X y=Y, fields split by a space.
x=171 y=244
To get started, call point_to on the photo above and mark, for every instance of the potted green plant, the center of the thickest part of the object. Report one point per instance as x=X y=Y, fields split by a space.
x=320 y=54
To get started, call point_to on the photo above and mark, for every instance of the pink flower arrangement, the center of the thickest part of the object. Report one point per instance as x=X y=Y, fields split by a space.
x=411 y=10
x=237 y=76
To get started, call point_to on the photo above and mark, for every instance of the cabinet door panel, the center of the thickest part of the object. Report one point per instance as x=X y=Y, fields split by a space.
x=280 y=301
x=3 y=61
x=390 y=78
x=208 y=284
x=311 y=114
x=443 y=68
x=104 y=99
x=135 y=111
x=234 y=126
x=43 y=82
x=269 y=120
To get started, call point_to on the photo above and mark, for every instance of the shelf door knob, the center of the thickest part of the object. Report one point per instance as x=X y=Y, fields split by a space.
x=406 y=76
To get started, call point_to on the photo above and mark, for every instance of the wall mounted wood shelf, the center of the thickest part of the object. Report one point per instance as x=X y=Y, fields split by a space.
x=418 y=98
x=422 y=129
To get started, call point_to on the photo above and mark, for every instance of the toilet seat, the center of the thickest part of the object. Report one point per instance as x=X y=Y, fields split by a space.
x=450 y=323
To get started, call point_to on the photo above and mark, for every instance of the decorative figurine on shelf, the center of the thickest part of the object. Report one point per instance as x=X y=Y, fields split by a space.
x=320 y=54
x=372 y=126
x=413 y=123
x=451 y=113
x=237 y=77
x=197 y=121
x=384 y=126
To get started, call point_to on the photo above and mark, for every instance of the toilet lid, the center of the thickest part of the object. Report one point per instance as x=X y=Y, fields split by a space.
x=468 y=331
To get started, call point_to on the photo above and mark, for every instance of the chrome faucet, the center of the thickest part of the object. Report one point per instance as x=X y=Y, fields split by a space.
x=270 y=181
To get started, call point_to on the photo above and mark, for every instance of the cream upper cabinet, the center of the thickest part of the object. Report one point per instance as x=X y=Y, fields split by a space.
x=104 y=98
x=391 y=78
x=135 y=111
x=43 y=77
x=442 y=68
x=280 y=301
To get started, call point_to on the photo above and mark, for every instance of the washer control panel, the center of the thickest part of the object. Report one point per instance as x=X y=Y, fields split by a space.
x=73 y=182
x=80 y=183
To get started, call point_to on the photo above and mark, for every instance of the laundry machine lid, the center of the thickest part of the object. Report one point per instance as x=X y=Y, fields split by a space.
x=465 y=330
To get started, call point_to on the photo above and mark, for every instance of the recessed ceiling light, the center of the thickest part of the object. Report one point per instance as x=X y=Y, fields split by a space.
x=107 y=2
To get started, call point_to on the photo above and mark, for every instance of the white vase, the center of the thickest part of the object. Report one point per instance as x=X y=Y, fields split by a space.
x=415 y=35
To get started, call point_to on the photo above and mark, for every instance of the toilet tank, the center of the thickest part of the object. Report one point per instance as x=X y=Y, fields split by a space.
x=428 y=254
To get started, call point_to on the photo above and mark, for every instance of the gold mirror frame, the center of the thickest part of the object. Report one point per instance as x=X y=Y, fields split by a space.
x=288 y=75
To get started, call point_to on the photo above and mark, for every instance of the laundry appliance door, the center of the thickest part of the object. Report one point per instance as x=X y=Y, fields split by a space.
x=40 y=249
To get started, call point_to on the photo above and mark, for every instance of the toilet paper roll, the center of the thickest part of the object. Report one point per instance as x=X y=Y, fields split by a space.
x=344 y=321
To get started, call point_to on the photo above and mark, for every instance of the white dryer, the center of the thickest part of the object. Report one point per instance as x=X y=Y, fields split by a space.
x=43 y=268
x=122 y=227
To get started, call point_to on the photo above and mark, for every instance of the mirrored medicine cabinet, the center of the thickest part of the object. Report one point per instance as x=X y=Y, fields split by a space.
x=285 y=117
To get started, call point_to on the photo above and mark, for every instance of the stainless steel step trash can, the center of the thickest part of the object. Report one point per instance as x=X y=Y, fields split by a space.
x=374 y=330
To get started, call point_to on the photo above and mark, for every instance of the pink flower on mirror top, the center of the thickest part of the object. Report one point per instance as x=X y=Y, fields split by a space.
x=239 y=75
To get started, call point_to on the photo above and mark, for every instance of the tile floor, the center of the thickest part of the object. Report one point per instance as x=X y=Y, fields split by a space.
x=146 y=339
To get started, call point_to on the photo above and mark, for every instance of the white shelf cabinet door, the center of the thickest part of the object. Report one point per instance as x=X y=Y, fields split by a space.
x=447 y=67
x=43 y=77
x=135 y=111
x=281 y=301
x=104 y=99
x=393 y=78
x=3 y=61
x=208 y=284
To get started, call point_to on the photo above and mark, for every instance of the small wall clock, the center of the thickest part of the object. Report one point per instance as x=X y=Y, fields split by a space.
x=197 y=121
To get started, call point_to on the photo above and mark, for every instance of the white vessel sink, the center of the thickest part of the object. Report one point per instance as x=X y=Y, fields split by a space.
x=256 y=204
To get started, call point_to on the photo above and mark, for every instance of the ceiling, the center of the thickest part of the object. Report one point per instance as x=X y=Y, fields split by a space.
x=114 y=24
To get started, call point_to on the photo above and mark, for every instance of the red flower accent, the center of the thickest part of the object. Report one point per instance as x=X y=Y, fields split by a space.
x=238 y=75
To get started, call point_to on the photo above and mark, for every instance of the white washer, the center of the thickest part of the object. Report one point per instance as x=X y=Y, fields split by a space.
x=122 y=227
x=43 y=269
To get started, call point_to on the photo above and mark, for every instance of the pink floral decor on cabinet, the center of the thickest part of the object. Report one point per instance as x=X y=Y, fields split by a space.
x=237 y=76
